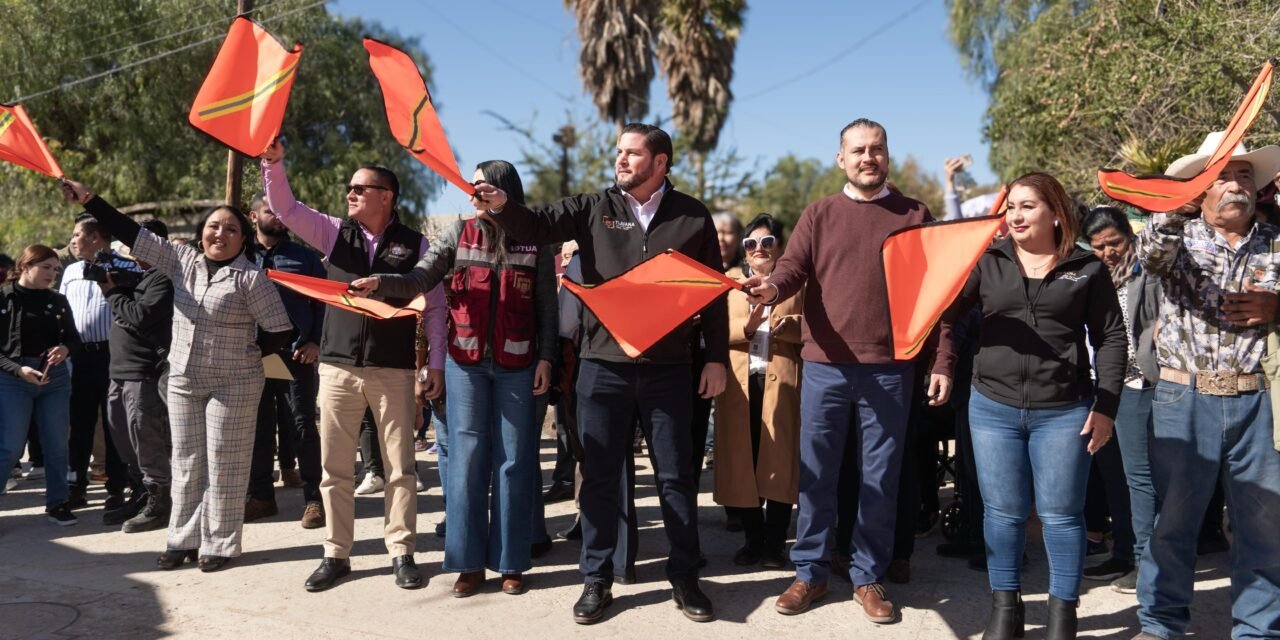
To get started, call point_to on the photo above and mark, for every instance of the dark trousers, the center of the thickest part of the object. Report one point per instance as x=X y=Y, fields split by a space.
x=565 y=467
x=287 y=408
x=139 y=427
x=701 y=417
x=89 y=381
x=370 y=452
x=971 y=505
x=610 y=395
x=838 y=403
x=35 y=453
x=765 y=526
x=1107 y=484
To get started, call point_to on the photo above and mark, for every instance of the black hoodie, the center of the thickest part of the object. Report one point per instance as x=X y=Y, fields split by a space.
x=1032 y=350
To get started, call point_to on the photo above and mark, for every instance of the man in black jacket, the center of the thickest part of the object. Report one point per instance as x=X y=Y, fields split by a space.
x=142 y=318
x=616 y=229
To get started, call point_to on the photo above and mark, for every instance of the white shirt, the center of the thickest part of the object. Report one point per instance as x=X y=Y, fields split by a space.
x=854 y=195
x=645 y=212
x=759 y=350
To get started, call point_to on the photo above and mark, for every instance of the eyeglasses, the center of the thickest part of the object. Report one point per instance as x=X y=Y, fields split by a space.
x=358 y=189
x=764 y=242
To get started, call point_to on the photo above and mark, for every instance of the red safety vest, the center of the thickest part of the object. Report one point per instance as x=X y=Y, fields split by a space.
x=490 y=302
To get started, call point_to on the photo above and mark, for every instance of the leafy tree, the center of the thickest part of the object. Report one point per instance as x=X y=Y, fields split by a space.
x=616 y=56
x=1128 y=83
x=126 y=134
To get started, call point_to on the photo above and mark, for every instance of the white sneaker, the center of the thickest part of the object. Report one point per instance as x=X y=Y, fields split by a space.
x=371 y=484
x=34 y=473
x=417 y=480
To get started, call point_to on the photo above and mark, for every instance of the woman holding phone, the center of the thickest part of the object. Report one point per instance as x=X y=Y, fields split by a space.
x=37 y=336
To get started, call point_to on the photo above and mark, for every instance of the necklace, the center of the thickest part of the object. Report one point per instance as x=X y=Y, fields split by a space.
x=1037 y=269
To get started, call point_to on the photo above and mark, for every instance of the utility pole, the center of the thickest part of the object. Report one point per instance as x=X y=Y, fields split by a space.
x=235 y=162
x=565 y=138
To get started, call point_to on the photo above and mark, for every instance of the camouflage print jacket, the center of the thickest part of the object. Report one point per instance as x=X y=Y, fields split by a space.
x=1196 y=267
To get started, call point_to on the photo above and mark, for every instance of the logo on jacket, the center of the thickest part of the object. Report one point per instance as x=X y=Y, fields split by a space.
x=1072 y=276
x=618 y=225
x=398 y=250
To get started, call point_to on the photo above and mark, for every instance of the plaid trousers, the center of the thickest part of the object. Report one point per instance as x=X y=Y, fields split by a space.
x=213 y=421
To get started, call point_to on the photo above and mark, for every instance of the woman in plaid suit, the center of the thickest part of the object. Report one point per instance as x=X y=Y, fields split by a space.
x=215 y=371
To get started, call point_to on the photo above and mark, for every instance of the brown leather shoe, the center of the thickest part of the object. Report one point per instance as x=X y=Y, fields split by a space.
x=513 y=584
x=291 y=478
x=256 y=509
x=313 y=515
x=875 y=602
x=798 y=597
x=468 y=583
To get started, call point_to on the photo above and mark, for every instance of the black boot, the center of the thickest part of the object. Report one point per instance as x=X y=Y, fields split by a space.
x=1062 y=619
x=132 y=505
x=1008 y=616
x=154 y=514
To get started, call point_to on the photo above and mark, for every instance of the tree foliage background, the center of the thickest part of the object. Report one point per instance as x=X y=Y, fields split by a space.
x=1076 y=84
x=126 y=135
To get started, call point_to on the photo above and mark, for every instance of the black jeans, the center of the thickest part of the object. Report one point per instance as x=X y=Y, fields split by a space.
x=565 y=467
x=288 y=407
x=701 y=417
x=765 y=526
x=370 y=451
x=89 y=382
x=610 y=395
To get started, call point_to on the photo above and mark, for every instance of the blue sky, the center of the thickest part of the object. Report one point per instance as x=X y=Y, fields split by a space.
x=804 y=68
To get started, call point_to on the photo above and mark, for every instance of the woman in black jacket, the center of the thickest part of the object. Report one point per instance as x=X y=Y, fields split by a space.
x=37 y=335
x=1035 y=414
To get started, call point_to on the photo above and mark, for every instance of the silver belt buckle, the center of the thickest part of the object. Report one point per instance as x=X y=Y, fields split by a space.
x=1217 y=383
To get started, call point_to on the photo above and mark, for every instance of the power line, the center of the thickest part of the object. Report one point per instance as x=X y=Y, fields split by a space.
x=822 y=66
x=110 y=72
x=218 y=21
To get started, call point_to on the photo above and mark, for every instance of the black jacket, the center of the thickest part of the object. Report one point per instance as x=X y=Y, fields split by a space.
x=1032 y=350
x=58 y=313
x=611 y=241
x=141 y=327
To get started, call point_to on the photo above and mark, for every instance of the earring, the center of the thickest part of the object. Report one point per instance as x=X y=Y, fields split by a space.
x=1055 y=223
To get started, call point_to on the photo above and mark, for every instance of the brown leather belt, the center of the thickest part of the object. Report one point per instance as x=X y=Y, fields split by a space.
x=1217 y=383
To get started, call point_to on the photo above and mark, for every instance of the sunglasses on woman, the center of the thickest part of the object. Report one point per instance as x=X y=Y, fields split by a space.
x=764 y=242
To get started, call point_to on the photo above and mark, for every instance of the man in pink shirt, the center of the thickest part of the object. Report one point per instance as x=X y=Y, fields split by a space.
x=364 y=363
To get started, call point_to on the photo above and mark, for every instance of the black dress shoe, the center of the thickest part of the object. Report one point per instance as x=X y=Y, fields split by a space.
x=589 y=609
x=693 y=602
x=749 y=554
x=628 y=576
x=407 y=574
x=328 y=573
x=77 y=500
x=173 y=558
x=572 y=533
x=774 y=558
x=539 y=549
x=558 y=493
x=209 y=564
x=114 y=501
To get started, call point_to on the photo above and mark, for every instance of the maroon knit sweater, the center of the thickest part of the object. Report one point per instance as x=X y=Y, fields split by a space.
x=835 y=249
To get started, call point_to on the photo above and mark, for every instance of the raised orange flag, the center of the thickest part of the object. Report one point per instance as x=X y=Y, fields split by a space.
x=21 y=145
x=413 y=119
x=925 y=268
x=332 y=292
x=243 y=99
x=649 y=301
x=1162 y=193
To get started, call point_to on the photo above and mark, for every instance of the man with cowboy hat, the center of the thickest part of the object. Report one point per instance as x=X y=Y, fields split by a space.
x=1212 y=411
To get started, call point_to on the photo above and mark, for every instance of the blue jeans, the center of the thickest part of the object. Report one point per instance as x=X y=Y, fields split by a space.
x=1017 y=450
x=867 y=402
x=493 y=442
x=1197 y=439
x=1133 y=433
x=539 y=532
x=51 y=405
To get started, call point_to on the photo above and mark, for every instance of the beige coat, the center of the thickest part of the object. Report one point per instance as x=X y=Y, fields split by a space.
x=739 y=480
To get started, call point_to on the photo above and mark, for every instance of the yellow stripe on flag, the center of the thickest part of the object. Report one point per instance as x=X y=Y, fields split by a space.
x=245 y=100
x=6 y=121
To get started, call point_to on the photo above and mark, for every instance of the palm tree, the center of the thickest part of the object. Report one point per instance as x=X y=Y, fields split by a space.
x=616 y=58
x=696 y=42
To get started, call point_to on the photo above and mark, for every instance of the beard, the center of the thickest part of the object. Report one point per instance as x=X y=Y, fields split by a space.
x=635 y=179
x=869 y=183
x=274 y=231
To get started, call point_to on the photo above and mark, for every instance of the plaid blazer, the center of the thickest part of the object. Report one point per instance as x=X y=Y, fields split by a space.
x=214 y=321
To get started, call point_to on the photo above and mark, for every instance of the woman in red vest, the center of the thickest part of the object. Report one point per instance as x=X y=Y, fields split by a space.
x=503 y=323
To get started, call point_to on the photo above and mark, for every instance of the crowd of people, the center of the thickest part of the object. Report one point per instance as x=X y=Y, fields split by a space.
x=1111 y=380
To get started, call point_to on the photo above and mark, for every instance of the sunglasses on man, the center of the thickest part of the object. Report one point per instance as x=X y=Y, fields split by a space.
x=359 y=189
x=764 y=242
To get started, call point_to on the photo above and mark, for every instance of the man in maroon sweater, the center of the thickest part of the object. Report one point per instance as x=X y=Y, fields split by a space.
x=852 y=386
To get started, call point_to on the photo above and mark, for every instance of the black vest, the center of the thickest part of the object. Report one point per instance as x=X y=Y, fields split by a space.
x=356 y=339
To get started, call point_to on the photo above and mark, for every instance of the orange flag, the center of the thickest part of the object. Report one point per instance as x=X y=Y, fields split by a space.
x=1163 y=193
x=243 y=99
x=925 y=268
x=649 y=301
x=335 y=293
x=413 y=120
x=21 y=145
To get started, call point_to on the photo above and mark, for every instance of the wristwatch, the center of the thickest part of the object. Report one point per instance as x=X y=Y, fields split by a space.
x=422 y=375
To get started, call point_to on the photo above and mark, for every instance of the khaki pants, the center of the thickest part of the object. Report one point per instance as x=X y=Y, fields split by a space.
x=345 y=392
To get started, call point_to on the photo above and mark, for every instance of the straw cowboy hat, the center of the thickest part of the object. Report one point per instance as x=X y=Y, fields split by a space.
x=1265 y=161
